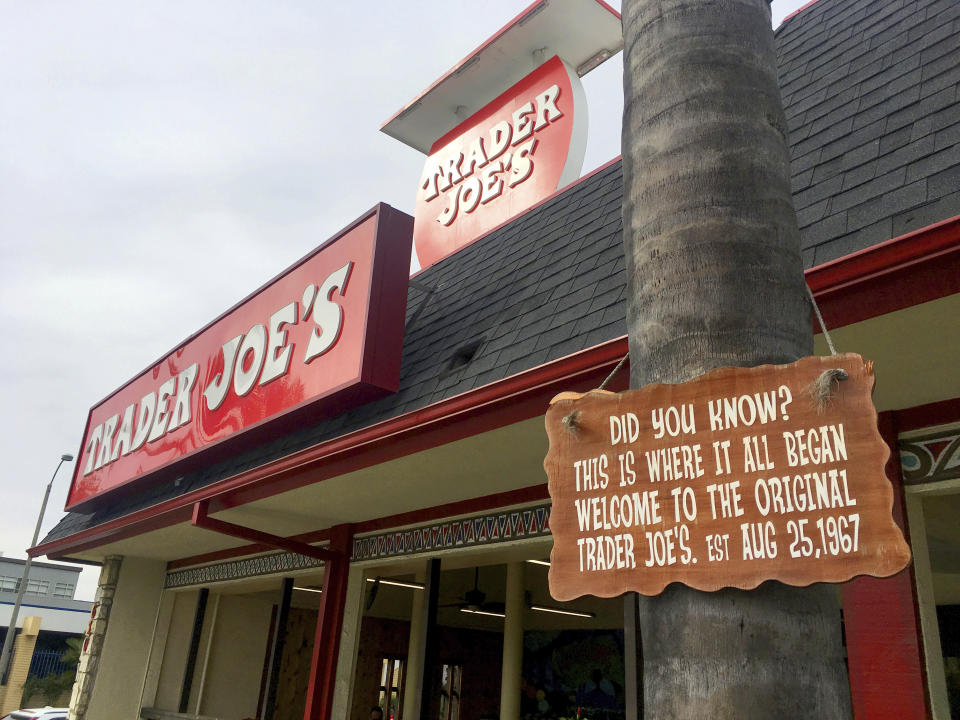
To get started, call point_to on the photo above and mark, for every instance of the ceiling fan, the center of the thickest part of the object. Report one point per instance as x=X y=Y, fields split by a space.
x=474 y=600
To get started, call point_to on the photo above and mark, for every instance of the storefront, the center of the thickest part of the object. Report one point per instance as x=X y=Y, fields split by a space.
x=332 y=497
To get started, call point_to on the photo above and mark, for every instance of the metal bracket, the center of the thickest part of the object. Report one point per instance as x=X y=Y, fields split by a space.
x=201 y=519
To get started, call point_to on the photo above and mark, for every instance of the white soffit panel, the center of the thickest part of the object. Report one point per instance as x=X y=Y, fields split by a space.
x=583 y=33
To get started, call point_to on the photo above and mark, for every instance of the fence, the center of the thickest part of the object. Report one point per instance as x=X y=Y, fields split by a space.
x=47 y=662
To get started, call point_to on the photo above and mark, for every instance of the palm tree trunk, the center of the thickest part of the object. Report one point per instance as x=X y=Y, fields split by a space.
x=715 y=278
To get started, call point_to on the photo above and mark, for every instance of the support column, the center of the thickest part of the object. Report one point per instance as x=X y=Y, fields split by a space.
x=186 y=687
x=93 y=639
x=20 y=660
x=158 y=645
x=880 y=623
x=276 y=651
x=632 y=656
x=413 y=682
x=927 y=606
x=428 y=637
x=125 y=640
x=349 y=643
x=512 y=643
x=323 y=667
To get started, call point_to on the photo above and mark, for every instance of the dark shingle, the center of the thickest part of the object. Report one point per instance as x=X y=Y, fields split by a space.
x=902 y=62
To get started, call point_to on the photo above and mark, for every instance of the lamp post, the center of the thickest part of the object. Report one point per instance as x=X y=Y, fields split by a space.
x=12 y=630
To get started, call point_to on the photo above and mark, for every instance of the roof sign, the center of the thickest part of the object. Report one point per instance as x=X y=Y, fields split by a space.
x=324 y=335
x=515 y=151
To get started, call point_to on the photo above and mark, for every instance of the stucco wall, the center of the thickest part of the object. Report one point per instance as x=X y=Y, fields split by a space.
x=119 y=680
x=232 y=684
x=175 y=651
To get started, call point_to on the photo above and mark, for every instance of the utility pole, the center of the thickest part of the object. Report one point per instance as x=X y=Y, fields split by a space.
x=12 y=630
x=715 y=278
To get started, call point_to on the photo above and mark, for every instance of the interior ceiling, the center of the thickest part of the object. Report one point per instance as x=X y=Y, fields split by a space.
x=497 y=461
x=397 y=603
x=942 y=517
x=914 y=351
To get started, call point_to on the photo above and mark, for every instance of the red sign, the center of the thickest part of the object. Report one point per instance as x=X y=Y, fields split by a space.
x=515 y=151
x=322 y=336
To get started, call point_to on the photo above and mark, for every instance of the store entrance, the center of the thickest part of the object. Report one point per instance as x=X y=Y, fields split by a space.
x=563 y=660
x=935 y=535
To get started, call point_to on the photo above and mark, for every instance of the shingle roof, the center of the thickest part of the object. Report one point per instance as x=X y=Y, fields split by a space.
x=870 y=89
x=870 y=92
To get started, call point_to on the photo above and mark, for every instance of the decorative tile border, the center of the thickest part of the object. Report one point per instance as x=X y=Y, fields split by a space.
x=931 y=458
x=465 y=532
x=239 y=569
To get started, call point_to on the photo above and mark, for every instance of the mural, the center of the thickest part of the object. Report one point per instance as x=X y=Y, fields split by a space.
x=573 y=674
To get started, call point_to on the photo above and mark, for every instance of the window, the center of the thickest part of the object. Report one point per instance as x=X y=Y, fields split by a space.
x=63 y=590
x=450 y=678
x=38 y=587
x=391 y=687
x=9 y=584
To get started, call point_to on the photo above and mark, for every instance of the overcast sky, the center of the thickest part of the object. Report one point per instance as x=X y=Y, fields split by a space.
x=161 y=159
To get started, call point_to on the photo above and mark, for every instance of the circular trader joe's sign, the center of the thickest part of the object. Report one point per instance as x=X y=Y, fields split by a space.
x=515 y=151
x=736 y=477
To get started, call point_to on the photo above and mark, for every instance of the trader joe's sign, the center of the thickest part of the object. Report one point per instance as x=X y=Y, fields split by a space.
x=513 y=152
x=324 y=335
x=731 y=479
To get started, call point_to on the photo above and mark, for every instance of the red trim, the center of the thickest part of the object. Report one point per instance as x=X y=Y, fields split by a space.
x=518 y=397
x=921 y=416
x=526 y=210
x=797 y=12
x=326 y=645
x=915 y=268
x=884 y=652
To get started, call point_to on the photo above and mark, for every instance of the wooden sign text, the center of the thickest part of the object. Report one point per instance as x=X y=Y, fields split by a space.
x=736 y=477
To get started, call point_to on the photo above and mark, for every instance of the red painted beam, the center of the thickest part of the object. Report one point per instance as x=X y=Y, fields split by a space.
x=326 y=645
x=921 y=416
x=201 y=519
x=884 y=653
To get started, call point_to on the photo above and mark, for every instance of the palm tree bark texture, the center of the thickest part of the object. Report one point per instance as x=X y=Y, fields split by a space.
x=715 y=278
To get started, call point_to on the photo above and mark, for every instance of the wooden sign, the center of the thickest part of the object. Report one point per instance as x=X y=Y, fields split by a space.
x=739 y=476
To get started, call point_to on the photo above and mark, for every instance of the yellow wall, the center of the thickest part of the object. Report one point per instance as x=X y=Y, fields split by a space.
x=123 y=664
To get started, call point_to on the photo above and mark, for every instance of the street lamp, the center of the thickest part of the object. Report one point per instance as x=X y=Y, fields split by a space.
x=12 y=630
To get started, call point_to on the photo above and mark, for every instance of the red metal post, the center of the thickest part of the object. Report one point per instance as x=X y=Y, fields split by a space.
x=323 y=667
x=884 y=646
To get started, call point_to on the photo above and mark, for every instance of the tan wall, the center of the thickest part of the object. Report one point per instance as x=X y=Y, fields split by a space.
x=20 y=659
x=175 y=651
x=231 y=687
x=123 y=664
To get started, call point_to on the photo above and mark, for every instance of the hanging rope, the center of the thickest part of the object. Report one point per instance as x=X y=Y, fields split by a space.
x=823 y=325
x=572 y=421
x=822 y=389
x=614 y=371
